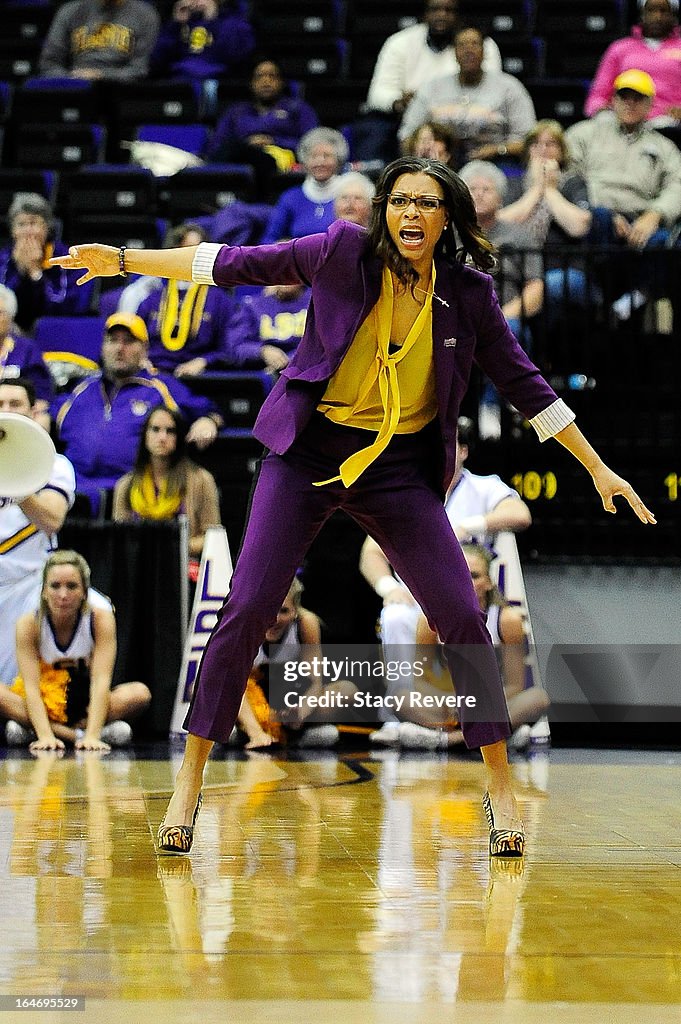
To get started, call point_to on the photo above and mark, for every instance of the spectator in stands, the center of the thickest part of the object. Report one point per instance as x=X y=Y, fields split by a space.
x=478 y=508
x=654 y=46
x=165 y=483
x=632 y=172
x=310 y=207
x=191 y=327
x=21 y=357
x=416 y=55
x=93 y=39
x=407 y=61
x=101 y=422
x=354 y=192
x=553 y=205
x=434 y=141
x=520 y=279
x=41 y=290
x=66 y=649
x=202 y=39
x=28 y=529
x=278 y=314
x=489 y=112
x=264 y=130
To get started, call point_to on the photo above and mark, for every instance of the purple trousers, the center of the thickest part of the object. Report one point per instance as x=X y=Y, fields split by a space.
x=396 y=501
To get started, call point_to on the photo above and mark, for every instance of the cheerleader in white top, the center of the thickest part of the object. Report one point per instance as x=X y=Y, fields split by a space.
x=295 y=635
x=66 y=652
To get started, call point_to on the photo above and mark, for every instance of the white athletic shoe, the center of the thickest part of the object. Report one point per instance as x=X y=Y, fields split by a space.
x=418 y=737
x=387 y=736
x=541 y=731
x=318 y=736
x=520 y=739
x=17 y=735
x=117 y=734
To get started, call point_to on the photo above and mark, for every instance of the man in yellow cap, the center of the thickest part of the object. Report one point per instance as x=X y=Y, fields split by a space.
x=101 y=421
x=632 y=172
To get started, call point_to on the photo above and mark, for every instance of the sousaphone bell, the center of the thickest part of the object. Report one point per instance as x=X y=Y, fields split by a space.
x=26 y=456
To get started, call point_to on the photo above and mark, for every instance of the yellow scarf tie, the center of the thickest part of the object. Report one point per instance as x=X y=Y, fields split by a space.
x=385 y=372
x=177 y=321
x=150 y=503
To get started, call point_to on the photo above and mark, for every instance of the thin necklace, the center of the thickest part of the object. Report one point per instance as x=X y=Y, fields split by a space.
x=424 y=292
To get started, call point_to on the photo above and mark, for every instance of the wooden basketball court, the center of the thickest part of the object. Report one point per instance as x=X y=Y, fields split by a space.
x=353 y=888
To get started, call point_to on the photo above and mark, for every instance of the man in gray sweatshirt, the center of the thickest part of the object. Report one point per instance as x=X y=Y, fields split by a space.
x=93 y=39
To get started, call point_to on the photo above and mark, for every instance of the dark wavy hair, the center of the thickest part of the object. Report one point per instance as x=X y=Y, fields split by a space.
x=462 y=240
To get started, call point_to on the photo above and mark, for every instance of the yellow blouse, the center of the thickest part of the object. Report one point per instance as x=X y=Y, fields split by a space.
x=379 y=390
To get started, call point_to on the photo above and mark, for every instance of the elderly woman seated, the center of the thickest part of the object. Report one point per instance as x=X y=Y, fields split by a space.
x=307 y=209
x=41 y=290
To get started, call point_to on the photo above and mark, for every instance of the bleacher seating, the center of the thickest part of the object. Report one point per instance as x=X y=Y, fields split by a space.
x=498 y=18
x=561 y=99
x=237 y=393
x=6 y=97
x=274 y=21
x=575 y=56
x=138 y=231
x=199 y=190
x=59 y=100
x=24 y=27
x=79 y=335
x=310 y=56
x=336 y=101
x=55 y=146
x=108 y=188
x=522 y=56
x=600 y=18
x=190 y=137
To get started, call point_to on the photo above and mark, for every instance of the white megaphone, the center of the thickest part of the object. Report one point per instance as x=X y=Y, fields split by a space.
x=26 y=456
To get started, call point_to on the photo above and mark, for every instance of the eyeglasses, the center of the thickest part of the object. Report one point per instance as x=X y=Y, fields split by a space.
x=424 y=204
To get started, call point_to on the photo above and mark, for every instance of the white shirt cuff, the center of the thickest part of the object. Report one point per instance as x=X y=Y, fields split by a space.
x=204 y=261
x=550 y=421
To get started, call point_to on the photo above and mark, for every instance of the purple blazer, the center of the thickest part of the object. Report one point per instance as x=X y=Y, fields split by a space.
x=346 y=280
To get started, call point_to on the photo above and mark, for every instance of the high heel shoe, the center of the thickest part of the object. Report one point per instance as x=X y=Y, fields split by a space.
x=178 y=838
x=503 y=842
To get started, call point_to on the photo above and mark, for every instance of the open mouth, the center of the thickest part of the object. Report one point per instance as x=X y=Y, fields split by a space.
x=411 y=237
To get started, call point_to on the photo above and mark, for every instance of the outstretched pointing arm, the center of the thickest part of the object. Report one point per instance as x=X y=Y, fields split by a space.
x=607 y=483
x=104 y=261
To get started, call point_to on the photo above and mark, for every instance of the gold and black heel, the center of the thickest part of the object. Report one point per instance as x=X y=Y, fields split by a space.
x=178 y=838
x=503 y=842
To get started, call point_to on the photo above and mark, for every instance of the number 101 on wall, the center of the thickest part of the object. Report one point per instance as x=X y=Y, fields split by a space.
x=531 y=485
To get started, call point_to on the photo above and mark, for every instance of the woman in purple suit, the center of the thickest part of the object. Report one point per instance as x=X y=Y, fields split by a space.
x=364 y=418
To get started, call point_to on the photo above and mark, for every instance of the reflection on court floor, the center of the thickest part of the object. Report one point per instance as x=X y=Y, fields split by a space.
x=355 y=887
